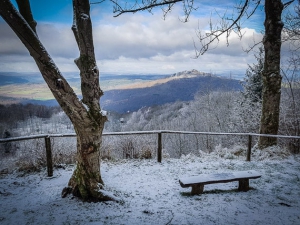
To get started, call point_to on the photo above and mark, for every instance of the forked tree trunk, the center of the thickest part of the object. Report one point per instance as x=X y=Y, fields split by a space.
x=86 y=114
x=271 y=75
x=86 y=180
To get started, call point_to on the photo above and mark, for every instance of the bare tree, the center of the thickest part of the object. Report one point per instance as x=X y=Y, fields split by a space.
x=291 y=119
x=269 y=123
x=85 y=114
x=291 y=30
x=290 y=106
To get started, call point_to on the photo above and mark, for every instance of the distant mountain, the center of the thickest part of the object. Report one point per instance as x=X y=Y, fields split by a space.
x=180 y=86
x=5 y=80
x=183 y=88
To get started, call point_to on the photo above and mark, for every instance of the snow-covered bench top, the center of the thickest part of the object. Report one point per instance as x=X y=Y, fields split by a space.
x=197 y=182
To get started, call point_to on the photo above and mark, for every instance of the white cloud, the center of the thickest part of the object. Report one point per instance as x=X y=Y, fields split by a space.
x=9 y=43
x=58 y=40
x=133 y=43
x=142 y=37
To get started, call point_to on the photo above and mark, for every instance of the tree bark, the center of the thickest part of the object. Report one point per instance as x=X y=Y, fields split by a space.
x=271 y=74
x=85 y=115
x=25 y=10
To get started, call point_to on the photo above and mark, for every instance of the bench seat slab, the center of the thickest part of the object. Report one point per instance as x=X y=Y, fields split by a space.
x=197 y=182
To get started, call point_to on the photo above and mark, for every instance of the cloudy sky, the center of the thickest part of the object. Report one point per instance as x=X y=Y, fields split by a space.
x=134 y=43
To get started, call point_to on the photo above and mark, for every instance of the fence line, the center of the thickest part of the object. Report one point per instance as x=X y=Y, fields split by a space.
x=159 y=140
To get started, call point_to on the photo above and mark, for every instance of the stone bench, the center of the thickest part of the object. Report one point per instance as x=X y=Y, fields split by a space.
x=197 y=182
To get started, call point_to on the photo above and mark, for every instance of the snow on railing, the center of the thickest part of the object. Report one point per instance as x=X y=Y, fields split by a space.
x=4 y=140
x=159 y=140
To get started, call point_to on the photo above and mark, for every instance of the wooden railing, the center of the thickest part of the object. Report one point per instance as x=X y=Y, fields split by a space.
x=159 y=140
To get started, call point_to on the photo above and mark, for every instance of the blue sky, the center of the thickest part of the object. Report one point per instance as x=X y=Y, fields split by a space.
x=51 y=11
x=134 y=43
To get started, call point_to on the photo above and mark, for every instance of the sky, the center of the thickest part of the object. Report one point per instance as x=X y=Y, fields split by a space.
x=140 y=43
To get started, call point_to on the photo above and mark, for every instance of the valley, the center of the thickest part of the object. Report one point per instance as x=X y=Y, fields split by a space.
x=125 y=93
x=20 y=88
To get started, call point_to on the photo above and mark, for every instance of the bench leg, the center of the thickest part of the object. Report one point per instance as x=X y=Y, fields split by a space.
x=243 y=185
x=197 y=189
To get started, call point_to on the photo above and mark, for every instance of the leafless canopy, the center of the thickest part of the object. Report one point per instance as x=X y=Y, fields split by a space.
x=228 y=23
x=149 y=5
x=292 y=27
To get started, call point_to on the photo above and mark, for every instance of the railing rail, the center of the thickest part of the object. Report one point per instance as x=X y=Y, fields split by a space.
x=159 y=140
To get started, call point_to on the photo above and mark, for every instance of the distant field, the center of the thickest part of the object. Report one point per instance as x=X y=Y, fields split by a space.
x=28 y=91
x=40 y=91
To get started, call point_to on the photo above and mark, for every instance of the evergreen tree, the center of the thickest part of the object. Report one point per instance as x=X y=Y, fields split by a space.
x=253 y=84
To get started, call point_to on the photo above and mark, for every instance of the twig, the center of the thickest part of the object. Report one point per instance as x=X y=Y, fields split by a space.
x=121 y=11
x=97 y=2
x=225 y=29
x=171 y=218
x=287 y=3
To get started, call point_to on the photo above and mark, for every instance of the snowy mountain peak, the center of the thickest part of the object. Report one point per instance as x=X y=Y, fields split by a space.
x=190 y=73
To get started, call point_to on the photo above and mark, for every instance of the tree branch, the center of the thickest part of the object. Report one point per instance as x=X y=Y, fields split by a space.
x=255 y=8
x=136 y=7
x=62 y=91
x=225 y=28
x=287 y=3
x=25 y=11
x=86 y=63
x=253 y=46
x=97 y=2
x=291 y=28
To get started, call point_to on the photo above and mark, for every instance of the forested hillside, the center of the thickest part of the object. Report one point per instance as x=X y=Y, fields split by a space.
x=181 y=89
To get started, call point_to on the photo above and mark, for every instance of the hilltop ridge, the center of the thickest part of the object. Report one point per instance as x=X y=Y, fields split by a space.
x=190 y=74
x=180 y=75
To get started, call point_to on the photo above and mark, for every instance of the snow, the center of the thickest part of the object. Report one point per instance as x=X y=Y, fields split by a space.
x=85 y=106
x=151 y=194
x=84 y=16
x=214 y=177
x=103 y=113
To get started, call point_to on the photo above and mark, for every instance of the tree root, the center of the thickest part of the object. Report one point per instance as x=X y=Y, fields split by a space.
x=101 y=196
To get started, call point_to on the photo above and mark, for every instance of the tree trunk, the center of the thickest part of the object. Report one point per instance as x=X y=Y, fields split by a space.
x=85 y=115
x=86 y=180
x=271 y=75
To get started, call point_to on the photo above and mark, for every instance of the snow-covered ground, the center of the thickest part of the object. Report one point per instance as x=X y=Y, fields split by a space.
x=150 y=194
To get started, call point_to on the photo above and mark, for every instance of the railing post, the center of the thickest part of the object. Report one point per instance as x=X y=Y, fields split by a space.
x=49 y=156
x=249 y=148
x=159 y=147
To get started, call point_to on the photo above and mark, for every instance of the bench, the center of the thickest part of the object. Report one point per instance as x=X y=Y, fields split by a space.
x=197 y=182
